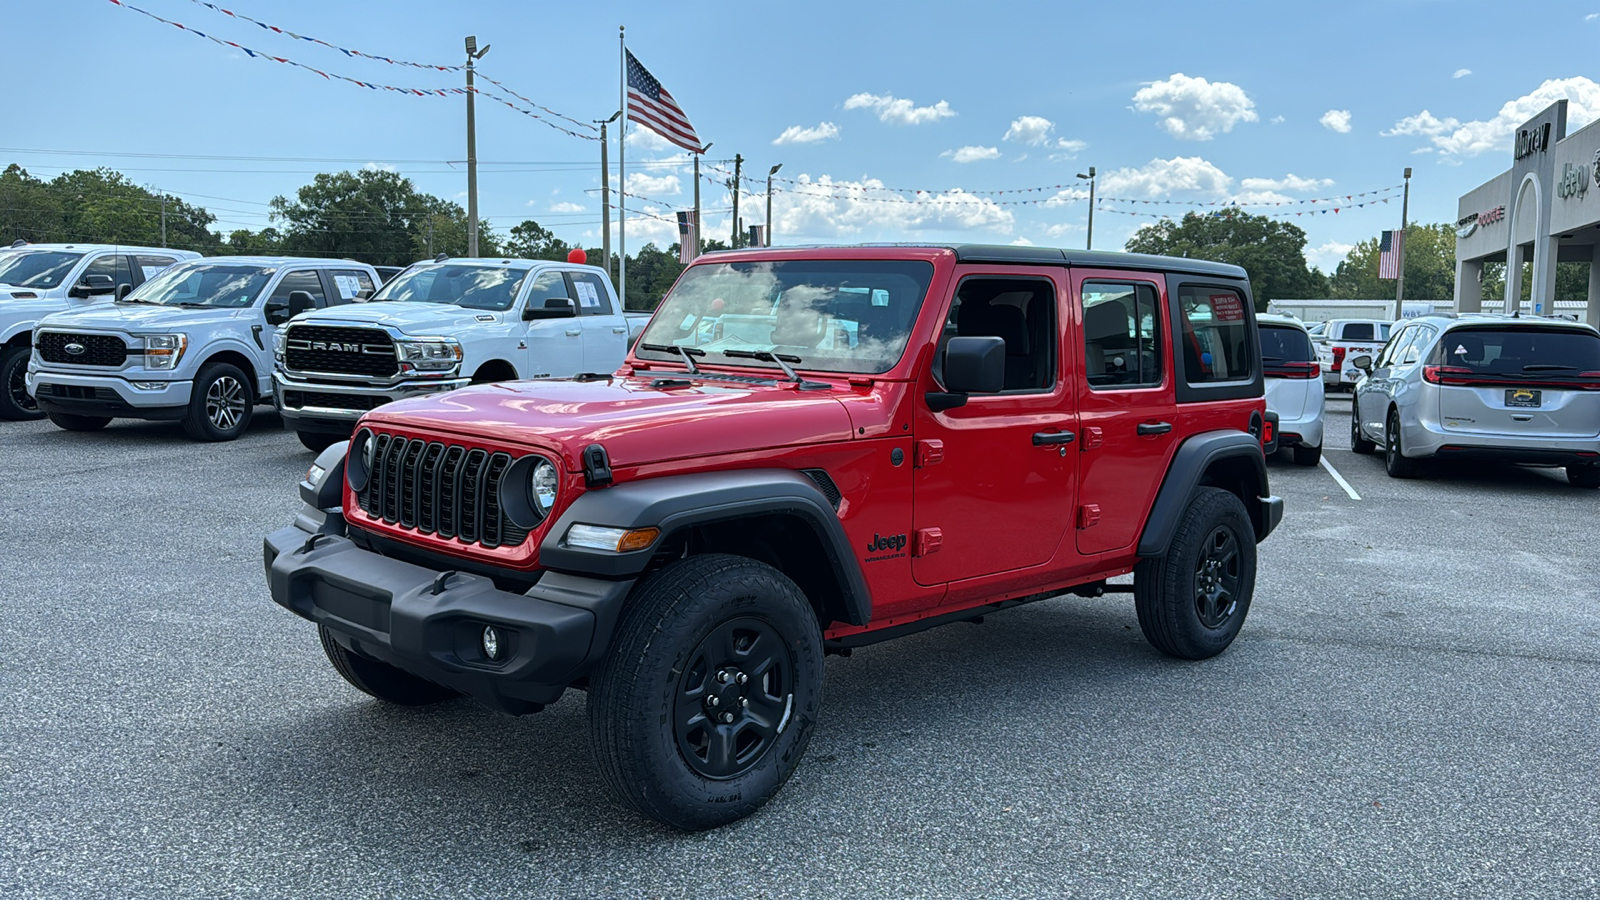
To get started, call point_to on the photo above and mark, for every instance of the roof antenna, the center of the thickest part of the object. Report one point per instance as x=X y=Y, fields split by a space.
x=19 y=242
x=441 y=257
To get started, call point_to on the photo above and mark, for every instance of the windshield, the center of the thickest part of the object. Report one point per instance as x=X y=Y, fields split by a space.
x=827 y=315
x=216 y=286
x=43 y=269
x=1506 y=351
x=469 y=286
x=1283 y=344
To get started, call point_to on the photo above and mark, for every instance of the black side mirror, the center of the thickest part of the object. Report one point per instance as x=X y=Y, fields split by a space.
x=972 y=365
x=299 y=302
x=279 y=312
x=553 y=308
x=92 y=285
x=123 y=290
x=1362 y=362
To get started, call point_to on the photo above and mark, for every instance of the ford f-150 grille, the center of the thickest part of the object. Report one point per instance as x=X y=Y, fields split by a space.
x=442 y=489
x=329 y=400
x=339 y=350
x=82 y=349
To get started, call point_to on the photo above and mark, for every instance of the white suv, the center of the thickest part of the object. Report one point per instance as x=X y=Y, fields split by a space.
x=1294 y=390
x=39 y=279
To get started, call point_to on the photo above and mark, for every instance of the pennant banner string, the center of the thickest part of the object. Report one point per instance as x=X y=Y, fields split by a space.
x=345 y=50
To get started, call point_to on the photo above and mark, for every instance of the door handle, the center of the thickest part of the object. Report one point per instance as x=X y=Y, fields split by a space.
x=574 y=332
x=619 y=331
x=1149 y=428
x=1052 y=438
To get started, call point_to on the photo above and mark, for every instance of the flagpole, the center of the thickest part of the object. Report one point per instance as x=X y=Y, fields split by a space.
x=622 y=172
x=1400 y=263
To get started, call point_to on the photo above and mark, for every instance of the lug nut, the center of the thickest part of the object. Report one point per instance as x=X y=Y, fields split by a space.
x=742 y=678
x=743 y=702
x=712 y=700
x=727 y=717
x=722 y=676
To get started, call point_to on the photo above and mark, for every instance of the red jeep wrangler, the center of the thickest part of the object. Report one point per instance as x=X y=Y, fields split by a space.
x=809 y=450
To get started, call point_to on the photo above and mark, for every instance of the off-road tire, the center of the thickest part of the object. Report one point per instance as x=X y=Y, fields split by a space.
x=379 y=679
x=79 y=423
x=1584 y=476
x=641 y=698
x=1307 y=456
x=221 y=405
x=1167 y=590
x=318 y=441
x=1395 y=462
x=15 y=404
x=1359 y=444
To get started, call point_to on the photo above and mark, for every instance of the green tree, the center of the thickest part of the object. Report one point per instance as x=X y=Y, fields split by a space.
x=1272 y=252
x=376 y=217
x=29 y=210
x=1430 y=261
x=530 y=240
x=244 y=242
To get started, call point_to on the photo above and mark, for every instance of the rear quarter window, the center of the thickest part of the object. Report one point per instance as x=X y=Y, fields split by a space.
x=1215 y=343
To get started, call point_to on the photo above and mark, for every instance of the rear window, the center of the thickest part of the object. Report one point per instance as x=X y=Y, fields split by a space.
x=1281 y=344
x=1358 y=331
x=1520 y=351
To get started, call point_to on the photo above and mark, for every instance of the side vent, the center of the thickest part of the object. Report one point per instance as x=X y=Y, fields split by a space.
x=824 y=484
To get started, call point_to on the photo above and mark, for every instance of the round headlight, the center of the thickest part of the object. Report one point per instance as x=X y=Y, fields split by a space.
x=542 y=488
x=358 y=462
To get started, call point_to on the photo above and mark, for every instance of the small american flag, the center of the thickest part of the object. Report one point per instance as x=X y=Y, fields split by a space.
x=1389 y=254
x=650 y=105
x=688 y=236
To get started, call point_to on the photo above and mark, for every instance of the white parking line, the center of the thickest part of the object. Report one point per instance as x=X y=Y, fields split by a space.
x=1340 y=478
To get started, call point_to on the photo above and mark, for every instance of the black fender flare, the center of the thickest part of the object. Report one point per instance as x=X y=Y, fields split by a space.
x=675 y=502
x=1186 y=472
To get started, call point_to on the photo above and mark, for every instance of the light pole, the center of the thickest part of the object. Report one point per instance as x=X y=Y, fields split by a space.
x=605 y=191
x=1090 y=178
x=699 y=245
x=473 y=55
x=770 y=172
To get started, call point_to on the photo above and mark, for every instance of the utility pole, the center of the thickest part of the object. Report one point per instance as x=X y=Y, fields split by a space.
x=1089 y=245
x=1400 y=282
x=605 y=191
x=473 y=55
x=163 y=220
x=699 y=245
x=738 y=164
x=770 y=172
x=430 y=235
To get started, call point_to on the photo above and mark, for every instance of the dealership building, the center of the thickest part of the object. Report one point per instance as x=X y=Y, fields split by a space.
x=1544 y=210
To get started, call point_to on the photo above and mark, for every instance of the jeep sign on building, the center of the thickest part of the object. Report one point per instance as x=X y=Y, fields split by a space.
x=1544 y=210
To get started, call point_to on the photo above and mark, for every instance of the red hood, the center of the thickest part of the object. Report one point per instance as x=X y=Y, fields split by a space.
x=636 y=422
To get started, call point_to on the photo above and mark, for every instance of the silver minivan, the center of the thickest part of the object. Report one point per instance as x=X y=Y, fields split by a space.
x=1522 y=390
x=1294 y=388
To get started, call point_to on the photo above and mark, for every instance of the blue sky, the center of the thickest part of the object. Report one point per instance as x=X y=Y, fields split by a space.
x=1255 y=102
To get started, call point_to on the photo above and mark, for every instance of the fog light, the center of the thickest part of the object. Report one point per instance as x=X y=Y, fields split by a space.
x=491 y=642
x=150 y=385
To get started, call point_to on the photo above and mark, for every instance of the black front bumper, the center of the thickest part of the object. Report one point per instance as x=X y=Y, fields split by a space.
x=430 y=622
x=106 y=404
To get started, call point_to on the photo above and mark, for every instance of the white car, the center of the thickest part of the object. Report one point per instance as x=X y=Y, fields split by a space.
x=1294 y=388
x=39 y=279
x=1340 y=340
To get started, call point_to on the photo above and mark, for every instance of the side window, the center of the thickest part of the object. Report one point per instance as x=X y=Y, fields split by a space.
x=352 y=285
x=550 y=285
x=1215 y=343
x=1019 y=311
x=116 y=266
x=590 y=294
x=1391 y=350
x=1358 y=331
x=1419 y=338
x=303 y=280
x=1121 y=335
x=147 y=267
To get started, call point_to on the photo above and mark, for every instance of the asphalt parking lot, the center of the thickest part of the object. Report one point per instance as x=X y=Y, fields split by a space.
x=1409 y=711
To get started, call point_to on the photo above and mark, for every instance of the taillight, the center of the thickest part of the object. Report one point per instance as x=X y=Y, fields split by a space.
x=1293 y=370
x=1447 y=375
x=1338 y=359
x=1267 y=432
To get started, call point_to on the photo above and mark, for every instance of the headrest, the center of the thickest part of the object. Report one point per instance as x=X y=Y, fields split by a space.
x=1105 y=320
x=1004 y=322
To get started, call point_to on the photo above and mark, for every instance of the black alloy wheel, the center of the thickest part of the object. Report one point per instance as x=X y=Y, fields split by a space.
x=1395 y=461
x=734 y=697
x=1358 y=442
x=1216 y=578
x=15 y=403
x=1192 y=601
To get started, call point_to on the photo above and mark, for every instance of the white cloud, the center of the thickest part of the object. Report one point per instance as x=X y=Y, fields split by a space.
x=1456 y=138
x=1328 y=255
x=796 y=134
x=1276 y=120
x=1461 y=73
x=822 y=208
x=1161 y=177
x=972 y=154
x=1336 y=120
x=1062 y=229
x=1591 y=17
x=1035 y=131
x=1290 y=182
x=1020 y=241
x=653 y=185
x=898 y=110
x=567 y=207
x=643 y=138
x=1193 y=108
x=1069 y=146
x=379 y=167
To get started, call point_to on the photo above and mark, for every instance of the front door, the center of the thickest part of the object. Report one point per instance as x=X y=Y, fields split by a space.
x=605 y=332
x=1125 y=402
x=550 y=348
x=995 y=478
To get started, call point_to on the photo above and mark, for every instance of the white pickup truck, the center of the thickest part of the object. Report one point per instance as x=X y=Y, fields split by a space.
x=1338 y=341
x=441 y=325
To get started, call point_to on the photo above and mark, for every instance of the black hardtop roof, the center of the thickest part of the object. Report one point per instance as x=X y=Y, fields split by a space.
x=1109 y=259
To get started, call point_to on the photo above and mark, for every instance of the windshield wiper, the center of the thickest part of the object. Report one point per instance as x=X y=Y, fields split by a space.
x=782 y=359
x=688 y=353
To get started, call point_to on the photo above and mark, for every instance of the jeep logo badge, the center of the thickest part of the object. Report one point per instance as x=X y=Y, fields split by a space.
x=75 y=349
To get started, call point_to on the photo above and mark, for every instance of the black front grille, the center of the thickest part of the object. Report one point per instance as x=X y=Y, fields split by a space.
x=441 y=489
x=340 y=350
x=77 y=392
x=97 y=349
x=328 y=400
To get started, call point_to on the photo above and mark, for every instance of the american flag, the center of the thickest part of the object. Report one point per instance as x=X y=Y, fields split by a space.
x=1389 y=254
x=650 y=105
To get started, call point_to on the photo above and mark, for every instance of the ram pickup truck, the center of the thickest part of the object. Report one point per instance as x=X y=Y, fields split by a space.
x=190 y=345
x=807 y=451
x=39 y=279
x=441 y=325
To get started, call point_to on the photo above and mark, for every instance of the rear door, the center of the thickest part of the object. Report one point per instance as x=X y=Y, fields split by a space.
x=1125 y=403
x=605 y=332
x=1518 y=380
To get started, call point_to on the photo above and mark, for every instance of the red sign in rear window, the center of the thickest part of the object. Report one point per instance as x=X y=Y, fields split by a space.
x=1227 y=307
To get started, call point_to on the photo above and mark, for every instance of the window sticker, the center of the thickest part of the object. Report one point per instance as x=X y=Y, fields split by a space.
x=587 y=295
x=1227 y=307
x=151 y=271
x=349 y=286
